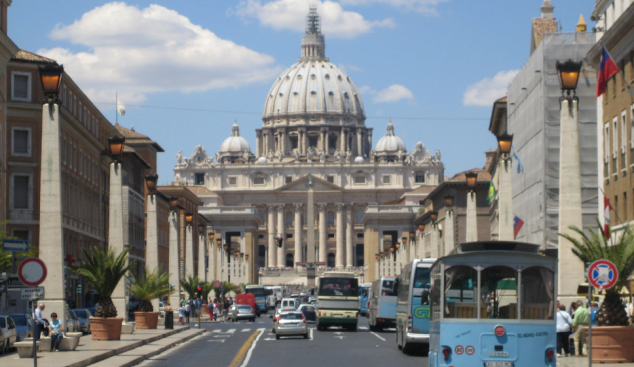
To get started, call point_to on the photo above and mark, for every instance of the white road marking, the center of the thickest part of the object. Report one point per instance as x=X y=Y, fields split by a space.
x=230 y=331
x=248 y=356
x=245 y=330
x=311 y=334
x=338 y=332
x=340 y=337
x=220 y=336
x=219 y=341
x=375 y=334
x=269 y=339
x=363 y=328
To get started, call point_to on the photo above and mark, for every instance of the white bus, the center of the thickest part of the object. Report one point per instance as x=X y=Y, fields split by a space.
x=382 y=304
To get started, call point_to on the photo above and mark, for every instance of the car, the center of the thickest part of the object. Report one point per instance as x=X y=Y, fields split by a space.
x=241 y=312
x=4 y=348
x=9 y=330
x=291 y=323
x=83 y=317
x=92 y=311
x=72 y=323
x=278 y=312
x=23 y=325
x=289 y=303
x=308 y=311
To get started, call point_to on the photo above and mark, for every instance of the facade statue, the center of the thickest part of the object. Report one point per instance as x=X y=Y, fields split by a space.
x=337 y=156
x=371 y=156
x=348 y=156
x=408 y=160
x=270 y=156
x=322 y=156
x=280 y=155
x=400 y=154
x=296 y=155
x=179 y=157
x=218 y=158
x=438 y=154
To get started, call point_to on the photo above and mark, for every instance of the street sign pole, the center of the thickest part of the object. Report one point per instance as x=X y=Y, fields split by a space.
x=33 y=305
x=590 y=325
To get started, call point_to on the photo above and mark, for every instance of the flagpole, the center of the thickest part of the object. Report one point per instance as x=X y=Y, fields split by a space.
x=116 y=108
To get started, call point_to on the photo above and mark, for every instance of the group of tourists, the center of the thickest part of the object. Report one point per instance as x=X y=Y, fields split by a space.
x=191 y=308
x=574 y=321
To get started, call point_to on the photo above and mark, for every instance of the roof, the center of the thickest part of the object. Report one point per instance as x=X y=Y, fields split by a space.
x=200 y=190
x=26 y=56
x=134 y=138
x=503 y=99
x=130 y=150
x=483 y=175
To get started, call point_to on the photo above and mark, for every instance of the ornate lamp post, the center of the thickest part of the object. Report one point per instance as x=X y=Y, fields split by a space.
x=202 y=250
x=448 y=238
x=505 y=188
x=189 y=244
x=472 y=207
x=174 y=262
x=151 y=240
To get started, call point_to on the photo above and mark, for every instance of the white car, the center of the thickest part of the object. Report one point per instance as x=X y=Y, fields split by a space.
x=291 y=324
x=9 y=330
x=278 y=312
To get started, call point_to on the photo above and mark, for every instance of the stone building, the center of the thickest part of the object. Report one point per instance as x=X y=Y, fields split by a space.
x=313 y=125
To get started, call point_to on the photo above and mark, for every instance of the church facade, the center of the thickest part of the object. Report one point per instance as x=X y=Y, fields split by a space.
x=313 y=125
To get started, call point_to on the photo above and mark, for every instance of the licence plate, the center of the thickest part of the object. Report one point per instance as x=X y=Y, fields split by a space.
x=338 y=315
x=499 y=364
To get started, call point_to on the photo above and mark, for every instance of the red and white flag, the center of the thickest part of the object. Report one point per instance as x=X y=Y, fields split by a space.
x=606 y=215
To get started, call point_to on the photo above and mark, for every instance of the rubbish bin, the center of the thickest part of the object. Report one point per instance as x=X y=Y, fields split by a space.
x=169 y=319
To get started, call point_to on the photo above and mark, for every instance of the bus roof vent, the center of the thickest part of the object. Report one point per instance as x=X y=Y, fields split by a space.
x=499 y=246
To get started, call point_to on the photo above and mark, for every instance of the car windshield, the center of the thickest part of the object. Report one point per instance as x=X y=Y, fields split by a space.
x=338 y=287
x=3 y=323
x=20 y=320
x=248 y=308
x=291 y=316
x=81 y=314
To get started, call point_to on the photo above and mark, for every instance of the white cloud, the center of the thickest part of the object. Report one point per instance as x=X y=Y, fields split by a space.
x=487 y=90
x=393 y=93
x=291 y=14
x=140 y=51
x=427 y=7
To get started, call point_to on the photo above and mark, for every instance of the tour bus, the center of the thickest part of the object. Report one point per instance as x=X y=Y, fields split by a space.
x=493 y=305
x=270 y=298
x=382 y=304
x=364 y=289
x=338 y=300
x=277 y=292
x=412 y=315
x=260 y=296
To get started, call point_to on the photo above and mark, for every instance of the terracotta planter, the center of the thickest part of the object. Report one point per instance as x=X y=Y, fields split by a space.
x=612 y=344
x=106 y=329
x=146 y=320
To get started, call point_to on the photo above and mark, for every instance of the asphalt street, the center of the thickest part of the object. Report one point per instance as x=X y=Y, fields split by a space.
x=244 y=343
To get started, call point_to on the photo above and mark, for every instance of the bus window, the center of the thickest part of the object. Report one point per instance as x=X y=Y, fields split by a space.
x=338 y=287
x=537 y=293
x=498 y=291
x=364 y=291
x=388 y=288
x=460 y=297
x=421 y=278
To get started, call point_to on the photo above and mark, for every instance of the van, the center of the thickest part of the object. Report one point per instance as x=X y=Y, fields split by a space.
x=248 y=299
x=289 y=303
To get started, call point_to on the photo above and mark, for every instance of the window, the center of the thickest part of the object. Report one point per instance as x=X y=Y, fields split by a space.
x=21 y=146
x=289 y=235
x=537 y=293
x=331 y=218
x=420 y=177
x=232 y=181
x=386 y=179
x=615 y=144
x=606 y=150
x=21 y=234
x=359 y=179
x=460 y=292
x=360 y=213
x=258 y=180
x=623 y=140
x=498 y=290
x=289 y=219
x=21 y=192
x=359 y=235
x=199 y=178
x=288 y=179
x=331 y=235
x=331 y=179
x=21 y=86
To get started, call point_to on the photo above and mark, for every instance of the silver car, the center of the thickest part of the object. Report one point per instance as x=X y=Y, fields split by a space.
x=83 y=317
x=291 y=323
x=241 y=312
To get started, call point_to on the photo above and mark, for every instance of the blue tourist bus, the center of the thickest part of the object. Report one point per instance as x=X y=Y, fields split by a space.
x=493 y=305
x=260 y=294
x=382 y=304
x=412 y=315
x=364 y=290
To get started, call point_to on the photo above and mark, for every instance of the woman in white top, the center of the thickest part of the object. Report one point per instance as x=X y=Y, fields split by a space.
x=564 y=322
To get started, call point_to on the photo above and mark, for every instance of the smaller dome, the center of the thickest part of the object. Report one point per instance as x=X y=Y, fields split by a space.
x=390 y=142
x=359 y=160
x=235 y=143
x=262 y=160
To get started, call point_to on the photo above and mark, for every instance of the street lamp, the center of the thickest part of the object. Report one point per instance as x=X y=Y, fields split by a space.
x=201 y=229
x=246 y=256
x=376 y=256
x=150 y=183
x=472 y=178
x=51 y=78
x=211 y=236
x=421 y=228
x=505 y=141
x=398 y=245
x=219 y=241
x=568 y=77
x=404 y=240
x=433 y=216
x=449 y=201
x=226 y=247
x=189 y=218
x=115 y=148
x=173 y=200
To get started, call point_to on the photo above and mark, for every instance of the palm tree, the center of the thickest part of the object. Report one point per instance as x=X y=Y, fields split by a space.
x=228 y=287
x=207 y=288
x=593 y=247
x=103 y=271
x=189 y=285
x=149 y=286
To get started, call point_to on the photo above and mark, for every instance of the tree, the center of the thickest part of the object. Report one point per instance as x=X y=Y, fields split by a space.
x=228 y=287
x=103 y=270
x=207 y=288
x=189 y=285
x=594 y=246
x=149 y=286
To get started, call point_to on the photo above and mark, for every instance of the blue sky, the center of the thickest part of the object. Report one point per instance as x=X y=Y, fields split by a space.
x=433 y=66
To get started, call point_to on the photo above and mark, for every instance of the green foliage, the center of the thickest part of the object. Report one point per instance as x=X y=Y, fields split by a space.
x=6 y=257
x=103 y=270
x=149 y=286
x=228 y=287
x=6 y=260
x=207 y=288
x=189 y=285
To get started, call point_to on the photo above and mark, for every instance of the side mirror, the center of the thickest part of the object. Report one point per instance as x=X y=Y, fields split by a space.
x=425 y=298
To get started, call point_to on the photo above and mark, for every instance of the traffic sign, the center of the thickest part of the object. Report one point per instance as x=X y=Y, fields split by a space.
x=602 y=274
x=470 y=350
x=33 y=293
x=238 y=288
x=217 y=284
x=32 y=271
x=16 y=245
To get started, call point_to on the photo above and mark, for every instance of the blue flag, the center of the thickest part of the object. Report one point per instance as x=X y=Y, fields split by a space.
x=520 y=168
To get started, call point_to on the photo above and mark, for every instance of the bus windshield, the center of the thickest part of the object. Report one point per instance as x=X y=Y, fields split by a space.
x=364 y=291
x=421 y=278
x=338 y=287
x=387 y=288
x=258 y=292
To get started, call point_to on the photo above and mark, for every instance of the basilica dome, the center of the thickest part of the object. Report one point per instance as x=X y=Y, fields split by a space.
x=235 y=143
x=390 y=142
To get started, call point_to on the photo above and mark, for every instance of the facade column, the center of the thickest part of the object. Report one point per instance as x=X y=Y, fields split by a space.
x=342 y=141
x=115 y=233
x=359 y=143
x=151 y=241
x=472 y=217
x=435 y=250
x=505 y=200
x=189 y=250
x=51 y=214
x=339 y=234
x=349 y=239
x=282 y=142
x=298 y=234
x=202 y=247
x=448 y=236
x=270 y=227
x=323 y=235
x=324 y=140
x=281 y=253
x=258 y=142
x=211 y=269
x=174 y=259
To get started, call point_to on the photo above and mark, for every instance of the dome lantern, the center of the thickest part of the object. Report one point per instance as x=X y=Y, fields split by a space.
x=235 y=144
x=390 y=142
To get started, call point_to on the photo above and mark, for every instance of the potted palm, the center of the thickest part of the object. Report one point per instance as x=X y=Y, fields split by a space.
x=147 y=287
x=103 y=270
x=612 y=338
x=189 y=285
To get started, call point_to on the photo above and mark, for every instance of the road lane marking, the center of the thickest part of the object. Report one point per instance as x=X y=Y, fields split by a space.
x=245 y=330
x=311 y=334
x=219 y=341
x=375 y=334
x=363 y=328
x=230 y=331
x=247 y=349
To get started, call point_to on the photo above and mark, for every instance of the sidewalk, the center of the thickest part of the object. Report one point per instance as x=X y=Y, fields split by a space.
x=130 y=350
x=583 y=362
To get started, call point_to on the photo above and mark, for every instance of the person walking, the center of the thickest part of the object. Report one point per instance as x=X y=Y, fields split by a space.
x=581 y=319
x=225 y=310
x=56 y=332
x=188 y=311
x=41 y=324
x=210 y=307
x=216 y=310
x=181 y=315
x=564 y=324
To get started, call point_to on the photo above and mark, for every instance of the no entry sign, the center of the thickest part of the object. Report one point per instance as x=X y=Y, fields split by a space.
x=32 y=271
x=602 y=274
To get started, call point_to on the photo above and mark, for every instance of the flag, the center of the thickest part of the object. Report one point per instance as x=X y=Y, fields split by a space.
x=607 y=69
x=492 y=193
x=517 y=225
x=606 y=216
x=121 y=108
x=520 y=168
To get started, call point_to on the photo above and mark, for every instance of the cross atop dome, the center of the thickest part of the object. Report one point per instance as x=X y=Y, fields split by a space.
x=313 y=43
x=312 y=21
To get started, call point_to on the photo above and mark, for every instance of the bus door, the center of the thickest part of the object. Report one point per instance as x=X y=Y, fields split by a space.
x=420 y=300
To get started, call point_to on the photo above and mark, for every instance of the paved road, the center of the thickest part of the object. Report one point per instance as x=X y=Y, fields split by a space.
x=251 y=344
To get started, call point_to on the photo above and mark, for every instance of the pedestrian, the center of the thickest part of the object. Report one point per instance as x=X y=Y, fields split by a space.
x=183 y=301
x=216 y=310
x=564 y=324
x=225 y=310
x=210 y=307
x=593 y=312
x=581 y=319
x=573 y=307
x=181 y=315
x=56 y=332
x=188 y=311
x=41 y=324
x=192 y=307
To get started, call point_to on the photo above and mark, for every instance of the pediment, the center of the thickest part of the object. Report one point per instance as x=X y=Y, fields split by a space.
x=319 y=185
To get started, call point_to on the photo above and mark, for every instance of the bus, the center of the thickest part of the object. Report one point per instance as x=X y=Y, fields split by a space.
x=412 y=315
x=338 y=300
x=493 y=305
x=382 y=304
x=364 y=289
x=260 y=296
x=270 y=298
x=277 y=293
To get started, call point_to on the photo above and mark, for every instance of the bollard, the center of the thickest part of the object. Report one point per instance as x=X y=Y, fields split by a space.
x=169 y=319
x=199 y=321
